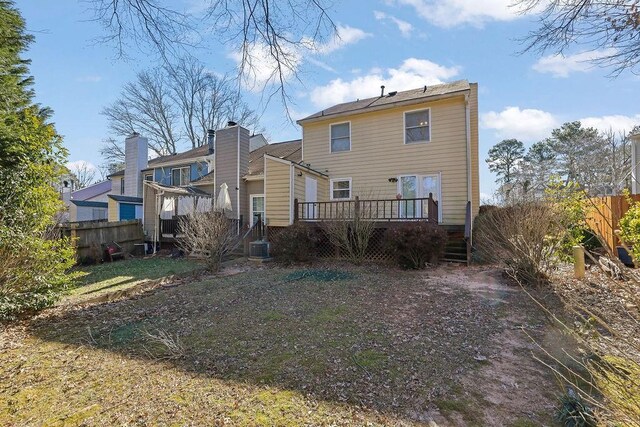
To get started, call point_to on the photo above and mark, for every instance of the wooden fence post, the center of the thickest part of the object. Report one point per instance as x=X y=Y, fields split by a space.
x=295 y=210
x=356 y=213
x=578 y=262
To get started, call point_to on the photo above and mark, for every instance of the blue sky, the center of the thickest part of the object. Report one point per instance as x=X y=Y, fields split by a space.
x=400 y=43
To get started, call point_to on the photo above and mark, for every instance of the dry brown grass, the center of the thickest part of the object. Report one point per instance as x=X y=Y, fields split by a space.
x=338 y=346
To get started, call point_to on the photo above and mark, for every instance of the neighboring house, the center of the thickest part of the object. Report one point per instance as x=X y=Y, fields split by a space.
x=89 y=203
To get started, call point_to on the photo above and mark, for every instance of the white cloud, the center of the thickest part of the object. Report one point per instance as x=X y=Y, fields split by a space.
x=561 y=66
x=616 y=123
x=89 y=79
x=405 y=27
x=450 y=13
x=412 y=73
x=527 y=125
x=345 y=35
x=261 y=68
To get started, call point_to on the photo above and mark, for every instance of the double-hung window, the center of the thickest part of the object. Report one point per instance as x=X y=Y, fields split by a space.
x=341 y=137
x=340 y=189
x=417 y=126
x=180 y=176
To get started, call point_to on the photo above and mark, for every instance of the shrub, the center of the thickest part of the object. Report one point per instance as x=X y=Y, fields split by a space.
x=414 y=244
x=296 y=243
x=630 y=230
x=210 y=234
x=351 y=235
x=524 y=237
x=32 y=271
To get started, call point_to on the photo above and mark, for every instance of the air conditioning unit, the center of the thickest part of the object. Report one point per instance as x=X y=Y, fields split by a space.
x=259 y=249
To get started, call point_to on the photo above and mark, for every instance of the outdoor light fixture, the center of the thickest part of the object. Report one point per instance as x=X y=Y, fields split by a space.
x=393 y=179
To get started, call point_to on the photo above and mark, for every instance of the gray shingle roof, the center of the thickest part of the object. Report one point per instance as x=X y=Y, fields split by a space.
x=185 y=155
x=361 y=105
x=288 y=150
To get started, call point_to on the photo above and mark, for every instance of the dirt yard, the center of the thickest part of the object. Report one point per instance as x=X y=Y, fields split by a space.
x=302 y=346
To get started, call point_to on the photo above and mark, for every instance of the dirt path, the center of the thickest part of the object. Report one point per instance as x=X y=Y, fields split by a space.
x=510 y=387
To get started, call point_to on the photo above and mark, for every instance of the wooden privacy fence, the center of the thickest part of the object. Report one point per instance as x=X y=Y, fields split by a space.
x=84 y=235
x=604 y=213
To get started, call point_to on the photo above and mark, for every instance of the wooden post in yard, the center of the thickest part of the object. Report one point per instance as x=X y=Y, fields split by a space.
x=578 y=262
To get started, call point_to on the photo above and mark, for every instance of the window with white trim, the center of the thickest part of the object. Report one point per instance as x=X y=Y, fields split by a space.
x=340 y=137
x=257 y=208
x=417 y=126
x=340 y=189
x=148 y=177
x=180 y=176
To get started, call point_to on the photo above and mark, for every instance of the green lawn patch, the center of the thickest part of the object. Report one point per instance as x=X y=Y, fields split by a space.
x=116 y=276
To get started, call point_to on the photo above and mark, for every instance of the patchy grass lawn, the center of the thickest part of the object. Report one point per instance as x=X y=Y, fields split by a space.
x=286 y=347
x=116 y=276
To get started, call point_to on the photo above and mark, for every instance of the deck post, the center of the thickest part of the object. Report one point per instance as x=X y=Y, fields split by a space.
x=295 y=209
x=356 y=210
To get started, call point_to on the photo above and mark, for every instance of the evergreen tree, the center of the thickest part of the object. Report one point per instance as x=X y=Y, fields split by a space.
x=32 y=263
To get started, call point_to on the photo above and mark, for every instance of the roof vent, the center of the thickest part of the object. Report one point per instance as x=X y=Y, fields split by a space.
x=382 y=90
x=231 y=123
x=394 y=93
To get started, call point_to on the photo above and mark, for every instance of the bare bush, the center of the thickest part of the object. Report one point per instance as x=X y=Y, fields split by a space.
x=525 y=237
x=209 y=234
x=172 y=347
x=351 y=234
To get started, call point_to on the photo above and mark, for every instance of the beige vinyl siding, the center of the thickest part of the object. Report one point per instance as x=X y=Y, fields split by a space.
x=475 y=167
x=112 y=210
x=299 y=185
x=378 y=152
x=277 y=192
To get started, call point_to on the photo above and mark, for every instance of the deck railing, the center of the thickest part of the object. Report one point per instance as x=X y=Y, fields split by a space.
x=425 y=208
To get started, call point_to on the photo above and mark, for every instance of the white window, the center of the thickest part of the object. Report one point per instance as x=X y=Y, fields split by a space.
x=417 y=126
x=148 y=177
x=257 y=207
x=341 y=137
x=340 y=189
x=180 y=176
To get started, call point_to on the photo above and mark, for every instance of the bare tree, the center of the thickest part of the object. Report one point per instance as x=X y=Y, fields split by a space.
x=278 y=29
x=174 y=104
x=145 y=106
x=611 y=26
x=84 y=174
x=205 y=100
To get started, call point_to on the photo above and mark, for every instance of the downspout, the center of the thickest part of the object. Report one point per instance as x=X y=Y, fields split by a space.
x=468 y=136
